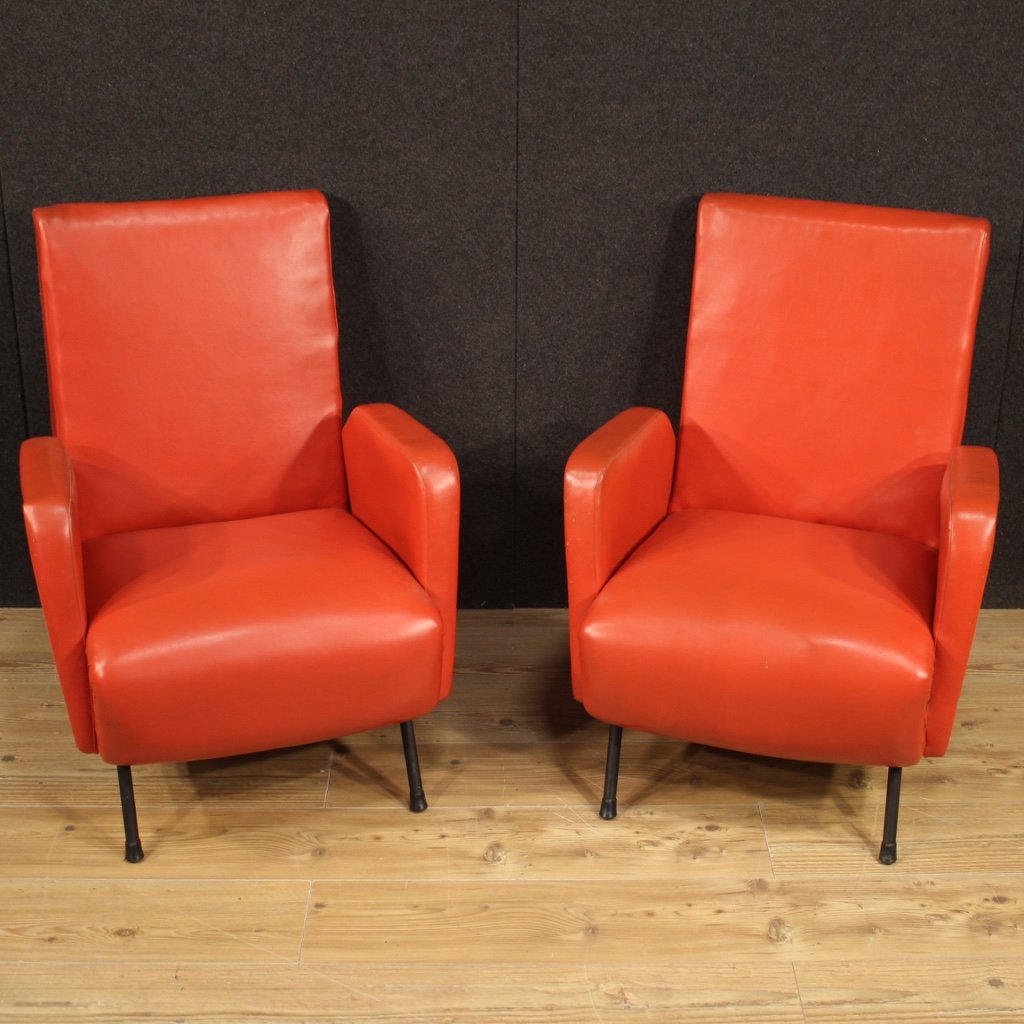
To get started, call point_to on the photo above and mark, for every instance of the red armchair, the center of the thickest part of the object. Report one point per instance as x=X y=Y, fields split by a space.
x=799 y=574
x=222 y=568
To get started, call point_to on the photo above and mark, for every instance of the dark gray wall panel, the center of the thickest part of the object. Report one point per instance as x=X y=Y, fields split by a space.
x=1006 y=580
x=402 y=111
x=16 y=585
x=628 y=113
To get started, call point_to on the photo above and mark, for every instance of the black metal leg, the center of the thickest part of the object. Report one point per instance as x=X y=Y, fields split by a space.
x=609 y=807
x=417 y=799
x=132 y=844
x=887 y=855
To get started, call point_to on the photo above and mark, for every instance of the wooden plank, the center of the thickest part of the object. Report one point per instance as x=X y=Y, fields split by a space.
x=998 y=640
x=41 y=769
x=933 y=838
x=384 y=993
x=654 y=772
x=880 y=916
x=25 y=705
x=23 y=639
x=986 y=727
x=1001 y=685
x=902 y=991
x=524 y=638
x=145 y=921
x=391 y=845
x=44 y=769
x=513 y=706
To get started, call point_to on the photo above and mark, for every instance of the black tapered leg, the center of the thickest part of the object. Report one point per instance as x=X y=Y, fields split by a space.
x=132 y=844
x=609 y=807
x=887 y=855
x=417 y=799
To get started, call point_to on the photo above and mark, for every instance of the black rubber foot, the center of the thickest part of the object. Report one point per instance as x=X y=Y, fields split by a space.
x=132 y=843
x=609 y=808
x=417 y=801
x=887 y=854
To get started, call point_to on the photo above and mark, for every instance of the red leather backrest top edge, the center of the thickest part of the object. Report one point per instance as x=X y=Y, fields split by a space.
x=192 y=355
x=828 y=360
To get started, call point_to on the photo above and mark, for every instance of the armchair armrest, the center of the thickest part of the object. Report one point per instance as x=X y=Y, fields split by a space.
x=617 y=485
x=969 y=501
x=403 y=484
x=54 y=542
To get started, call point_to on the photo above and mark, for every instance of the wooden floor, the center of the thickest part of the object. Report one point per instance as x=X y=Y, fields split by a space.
x=295 y=886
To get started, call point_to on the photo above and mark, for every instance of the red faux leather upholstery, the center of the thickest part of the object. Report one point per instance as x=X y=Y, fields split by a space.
x=827 y=361
x=800 y=574
x=192 y=350
x=207 y=587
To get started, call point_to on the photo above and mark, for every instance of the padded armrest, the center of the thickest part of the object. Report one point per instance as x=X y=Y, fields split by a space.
x=617 y=485
x=51 y=522
x=969 y=502
x=403 y=484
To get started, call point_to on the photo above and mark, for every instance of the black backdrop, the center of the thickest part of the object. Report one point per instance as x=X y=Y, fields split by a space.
x=513 y=185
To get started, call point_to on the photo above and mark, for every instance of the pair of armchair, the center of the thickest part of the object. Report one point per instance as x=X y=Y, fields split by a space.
x=224 y=568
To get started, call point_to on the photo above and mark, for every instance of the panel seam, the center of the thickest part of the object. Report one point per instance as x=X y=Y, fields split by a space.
x=514 y=578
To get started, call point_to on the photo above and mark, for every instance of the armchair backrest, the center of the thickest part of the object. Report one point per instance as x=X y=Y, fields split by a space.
x=192 y=355
x=828 y=360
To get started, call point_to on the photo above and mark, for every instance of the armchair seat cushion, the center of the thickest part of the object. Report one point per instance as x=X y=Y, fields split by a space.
x=304 y=624
x=768 y=635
